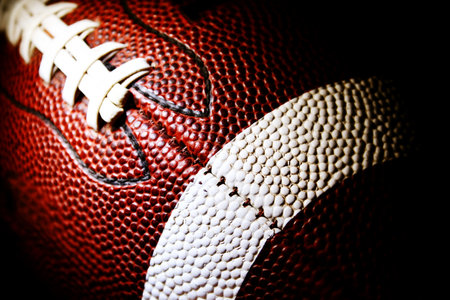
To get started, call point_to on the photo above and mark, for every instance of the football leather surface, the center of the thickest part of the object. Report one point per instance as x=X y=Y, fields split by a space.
x=263 y=154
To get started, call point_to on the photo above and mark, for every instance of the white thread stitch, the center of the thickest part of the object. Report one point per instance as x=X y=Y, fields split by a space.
x=63 y=47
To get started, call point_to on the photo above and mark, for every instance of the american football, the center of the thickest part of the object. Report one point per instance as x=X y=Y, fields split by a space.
x=198 y=149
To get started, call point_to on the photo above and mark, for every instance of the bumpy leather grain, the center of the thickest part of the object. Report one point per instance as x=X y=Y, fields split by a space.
x=345 y=245
x=89 y=207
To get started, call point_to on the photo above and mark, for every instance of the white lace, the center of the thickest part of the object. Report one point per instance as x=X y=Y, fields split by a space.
x=35 y=24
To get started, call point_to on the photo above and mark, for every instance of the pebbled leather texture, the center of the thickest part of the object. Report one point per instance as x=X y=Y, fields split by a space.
x=89 y=207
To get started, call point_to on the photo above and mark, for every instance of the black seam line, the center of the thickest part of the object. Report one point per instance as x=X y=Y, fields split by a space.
x=189 y=52
x=72 y=151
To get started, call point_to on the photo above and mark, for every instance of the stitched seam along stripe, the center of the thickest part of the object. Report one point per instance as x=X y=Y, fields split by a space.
x=258 y=182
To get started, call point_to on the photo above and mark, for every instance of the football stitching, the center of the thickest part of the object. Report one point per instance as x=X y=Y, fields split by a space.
x=63 y=47
x=189 y=52
x=246 y=202
x=112 y=181
x=319 y=139
x=158 y=126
